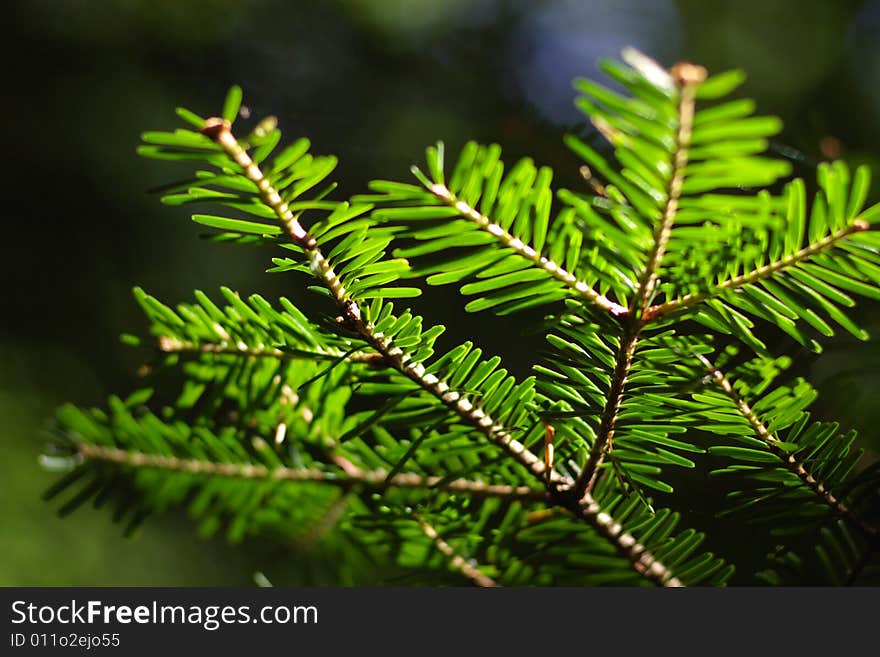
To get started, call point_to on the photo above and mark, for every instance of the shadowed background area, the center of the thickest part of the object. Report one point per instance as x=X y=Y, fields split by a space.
x=374 y=82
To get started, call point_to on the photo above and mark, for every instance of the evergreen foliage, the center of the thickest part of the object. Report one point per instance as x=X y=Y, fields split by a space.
x=358 y=435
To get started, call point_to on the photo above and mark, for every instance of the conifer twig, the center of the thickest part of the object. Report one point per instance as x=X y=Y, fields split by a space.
x=688 y=300
x=623 y=361
x=376 y=479
x=788 y=460
x=687 y=77
x=528 y=252
x=583 y=505
x=220 y=131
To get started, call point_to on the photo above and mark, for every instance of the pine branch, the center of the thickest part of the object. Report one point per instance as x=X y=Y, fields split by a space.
x=838 y=506
x=219 y=130
x=761 y=273
x=456 y=561
x=526 y=251
x=660 y=227
x=351 y=476
x=586 y=480
x=687 y=77
x=584 y=506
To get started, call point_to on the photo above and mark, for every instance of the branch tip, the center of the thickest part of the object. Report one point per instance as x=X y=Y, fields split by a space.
x=215 y=126
x=686 y=73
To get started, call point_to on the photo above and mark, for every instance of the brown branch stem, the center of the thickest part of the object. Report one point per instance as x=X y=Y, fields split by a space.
x=375 y=479
x=171 y=345
x=604 y=436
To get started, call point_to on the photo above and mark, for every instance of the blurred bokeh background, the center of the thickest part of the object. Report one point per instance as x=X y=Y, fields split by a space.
x=372 y=81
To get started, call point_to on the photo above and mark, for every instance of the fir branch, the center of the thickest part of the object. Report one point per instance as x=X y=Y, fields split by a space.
x=526 y=251
x=456 y=561
x=838 y=506
x=688 y=77
x=584 y=506
x=582 y=503
x=373 y=479
x=492 y=226
x=586 y=480
x=768 y=270
x=220 y=131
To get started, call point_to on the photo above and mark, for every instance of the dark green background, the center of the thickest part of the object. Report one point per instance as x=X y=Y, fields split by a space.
x=373 y=82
